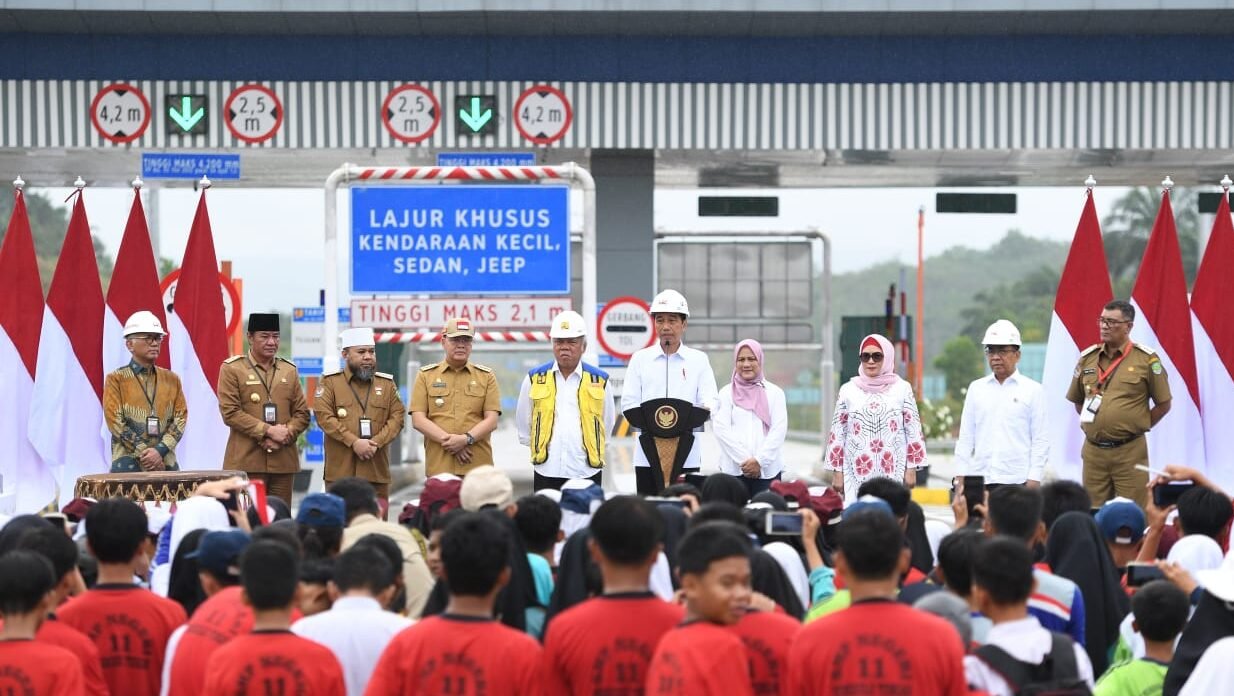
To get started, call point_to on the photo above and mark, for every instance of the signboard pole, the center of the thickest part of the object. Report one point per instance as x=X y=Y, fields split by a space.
x=402 y=176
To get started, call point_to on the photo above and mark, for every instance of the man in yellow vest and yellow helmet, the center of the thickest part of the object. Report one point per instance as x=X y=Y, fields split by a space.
x=565 y=410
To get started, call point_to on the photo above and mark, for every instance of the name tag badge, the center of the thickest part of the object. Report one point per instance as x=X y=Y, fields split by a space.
x=366 y=428
x=269 y=413
x=1089 y=412
x=152 y=426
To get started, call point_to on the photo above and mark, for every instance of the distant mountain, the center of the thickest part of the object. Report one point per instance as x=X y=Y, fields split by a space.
x=953 y=280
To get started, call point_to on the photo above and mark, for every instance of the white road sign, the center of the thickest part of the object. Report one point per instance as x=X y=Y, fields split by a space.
x=253 y=113
x=120 y=113
x=626 y=327
x=487 y=313
x=542 y=114
x=411 y=113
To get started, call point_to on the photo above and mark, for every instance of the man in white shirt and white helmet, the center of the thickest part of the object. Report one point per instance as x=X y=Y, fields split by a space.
x=668 y=370
x=565 y=410
x=1003 y=425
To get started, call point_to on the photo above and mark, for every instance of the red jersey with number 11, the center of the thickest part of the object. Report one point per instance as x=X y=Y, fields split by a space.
x=700 y=659
x=28 y=668
x=274 y=663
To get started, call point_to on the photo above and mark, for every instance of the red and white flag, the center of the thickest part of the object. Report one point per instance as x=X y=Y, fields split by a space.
x=198 y=329
x=21 y=319
x=66 y=407
x=1213 y=328
x=1163 y=323
x=1083 y=290
x=134 y=287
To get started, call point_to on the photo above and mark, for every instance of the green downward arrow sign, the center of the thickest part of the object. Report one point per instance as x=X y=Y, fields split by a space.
x=475 y=119
x=186 y=118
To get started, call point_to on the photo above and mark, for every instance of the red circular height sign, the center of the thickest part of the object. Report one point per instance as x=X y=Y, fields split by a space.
x=625 y=327
x=120 y=112
x=253 y=113
x=410 y=113
x=542 y=114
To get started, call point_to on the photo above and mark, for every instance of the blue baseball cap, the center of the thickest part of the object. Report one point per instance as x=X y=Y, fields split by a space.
x=219 y=552
x=1121 y=521
x=867 y=502
x=322 y=510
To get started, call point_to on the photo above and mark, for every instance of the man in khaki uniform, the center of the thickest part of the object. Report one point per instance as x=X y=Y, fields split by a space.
x=455 y=404
x=360 y=412
x=1111 y=389
x=262 y=402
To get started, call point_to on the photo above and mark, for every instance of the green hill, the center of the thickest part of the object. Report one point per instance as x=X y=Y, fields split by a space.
x=953 y=281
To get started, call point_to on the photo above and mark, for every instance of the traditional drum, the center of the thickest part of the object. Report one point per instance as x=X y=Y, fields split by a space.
x=158 y=486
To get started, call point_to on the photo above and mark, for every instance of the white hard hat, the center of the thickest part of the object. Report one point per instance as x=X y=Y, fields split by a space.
x=143 y=322
x=351 y=338
x=1001 y=333
x=568 y=324
x=671 y=302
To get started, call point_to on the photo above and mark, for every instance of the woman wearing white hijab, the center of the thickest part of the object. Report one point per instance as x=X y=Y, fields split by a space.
x=876 y=429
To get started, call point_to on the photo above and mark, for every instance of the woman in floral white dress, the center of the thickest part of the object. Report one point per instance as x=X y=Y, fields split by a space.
x=876 y=430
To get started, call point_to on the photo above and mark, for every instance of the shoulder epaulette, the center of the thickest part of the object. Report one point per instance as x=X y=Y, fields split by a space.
x=331 y=373
x=1090 y=349
x=232 y=359
x=387 y=375
x=426 y=368
x=289 y=362
x=1145 y=348
x=482 y=368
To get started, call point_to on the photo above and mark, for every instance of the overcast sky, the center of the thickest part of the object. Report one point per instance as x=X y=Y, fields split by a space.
x=274 y=237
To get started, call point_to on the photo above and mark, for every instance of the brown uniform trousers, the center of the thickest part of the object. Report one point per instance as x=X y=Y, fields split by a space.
x=242 y=397
x=1114 y=440
x=455 y=399
x=340 y=403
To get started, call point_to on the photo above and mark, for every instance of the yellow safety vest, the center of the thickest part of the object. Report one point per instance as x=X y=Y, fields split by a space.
x=591 y=406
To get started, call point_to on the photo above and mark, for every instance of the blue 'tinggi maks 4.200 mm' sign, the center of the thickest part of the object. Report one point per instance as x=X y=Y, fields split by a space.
x=509 y=240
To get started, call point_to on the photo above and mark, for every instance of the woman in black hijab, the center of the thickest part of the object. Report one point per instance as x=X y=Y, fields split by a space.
x=1076 y=550
x=578 y=577
x=184 y=586
x=674 y=528
x=768 y=578
x=725 y=488
x=918 y=540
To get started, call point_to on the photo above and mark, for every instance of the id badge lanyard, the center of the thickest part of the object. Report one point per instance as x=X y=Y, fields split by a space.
x=269 y=412
x=153 y=426
x=366 y=423
x=1103 y=378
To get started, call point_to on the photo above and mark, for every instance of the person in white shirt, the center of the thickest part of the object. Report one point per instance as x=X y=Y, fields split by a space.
x=1016 y=646
x=669 y=370
x=357 y=628
x=565 y=410
x=1003 y=425
x=750 y=421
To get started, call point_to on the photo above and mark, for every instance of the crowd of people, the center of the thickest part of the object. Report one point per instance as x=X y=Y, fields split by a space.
x=702 y=590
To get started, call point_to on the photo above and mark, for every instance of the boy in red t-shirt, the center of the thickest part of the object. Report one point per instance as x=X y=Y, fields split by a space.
x=54 y=545
x=877 y=645
x=464 y=652
x=272 y=659
x=603 y=645
x=28 y=666
x=702 y=657
x=220 y=618
x=129 y=625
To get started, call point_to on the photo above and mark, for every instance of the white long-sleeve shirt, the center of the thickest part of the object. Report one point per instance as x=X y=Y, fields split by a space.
x=357 y=631
x=685 y=375
x=567 y=458
x=1003 y=430
x=740 y=434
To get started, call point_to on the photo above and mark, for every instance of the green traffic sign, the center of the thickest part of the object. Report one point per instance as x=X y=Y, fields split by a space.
x=186 y=114
x=475 y=114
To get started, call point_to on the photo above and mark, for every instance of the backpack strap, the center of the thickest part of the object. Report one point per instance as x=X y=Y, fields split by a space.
x=1017 y=674
x=1062 y=657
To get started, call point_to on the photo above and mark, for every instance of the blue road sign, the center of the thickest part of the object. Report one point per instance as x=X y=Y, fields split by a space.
x=506 y=240
x=486 y=159
x=188 y=165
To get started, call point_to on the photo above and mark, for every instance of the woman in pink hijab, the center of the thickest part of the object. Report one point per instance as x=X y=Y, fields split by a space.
x=750 y=421
x=876 y=430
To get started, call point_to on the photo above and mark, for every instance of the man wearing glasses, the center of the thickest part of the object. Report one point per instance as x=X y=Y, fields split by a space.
x=1112 y=386
x=455 y=404
x=1002 y=427
x=143 y=403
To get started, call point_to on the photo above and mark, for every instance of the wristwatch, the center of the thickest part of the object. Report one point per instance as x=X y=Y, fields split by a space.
x=470 y=440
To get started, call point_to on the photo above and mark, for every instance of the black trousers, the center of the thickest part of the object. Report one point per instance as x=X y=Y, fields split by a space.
x=539 y=482
x=645 y=478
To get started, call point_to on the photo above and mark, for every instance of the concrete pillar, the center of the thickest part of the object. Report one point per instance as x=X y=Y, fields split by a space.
x=625 y=187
